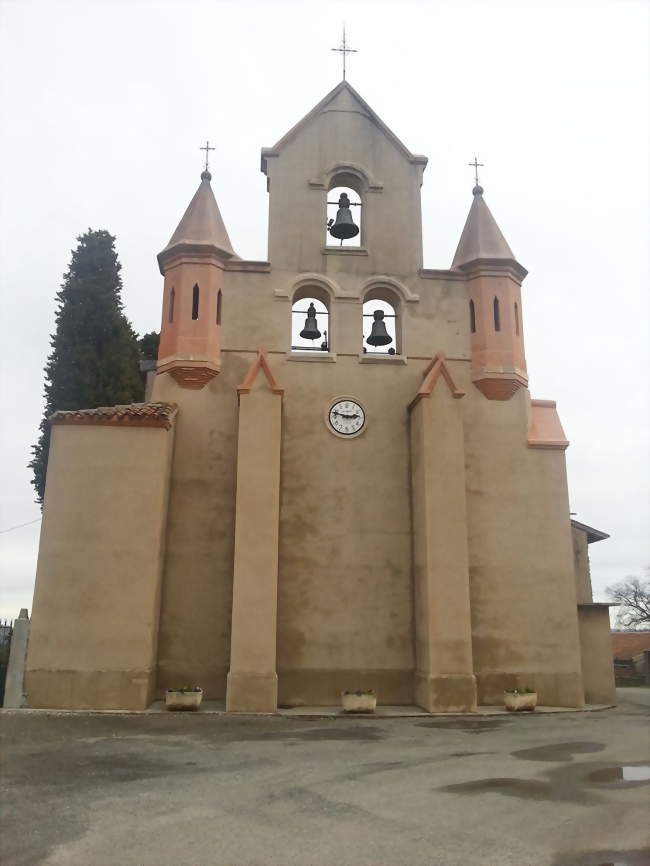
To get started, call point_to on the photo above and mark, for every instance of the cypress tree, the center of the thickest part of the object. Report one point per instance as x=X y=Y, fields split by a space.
x=95 y=357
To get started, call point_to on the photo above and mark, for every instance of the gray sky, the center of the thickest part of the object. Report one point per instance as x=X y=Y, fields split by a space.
x=104 y=105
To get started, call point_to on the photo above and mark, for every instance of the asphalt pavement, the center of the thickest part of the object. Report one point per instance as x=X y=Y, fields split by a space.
x=208 y=790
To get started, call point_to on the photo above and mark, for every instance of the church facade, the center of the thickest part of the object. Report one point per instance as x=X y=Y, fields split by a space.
x=289 y=516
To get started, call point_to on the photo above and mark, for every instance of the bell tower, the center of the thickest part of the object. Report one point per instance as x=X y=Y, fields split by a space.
x=193 y=264
x=494 y=280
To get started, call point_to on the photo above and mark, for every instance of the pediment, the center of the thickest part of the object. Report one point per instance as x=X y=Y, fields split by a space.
x=344 y=98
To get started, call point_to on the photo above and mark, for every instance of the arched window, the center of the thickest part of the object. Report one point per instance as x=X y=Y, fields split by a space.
x=472 y=317
x=172 y=300
x=310 y=320
x=219 y=307
x=516 y=319
x=195 y=301
x=497 y=315
x=381 y=326
x=343 y=212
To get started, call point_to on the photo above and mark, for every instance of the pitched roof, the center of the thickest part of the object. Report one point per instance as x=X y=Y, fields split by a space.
x=343 y=98
x=202 y=224
x=592 y=534
x=481 y=238
x=131 y=415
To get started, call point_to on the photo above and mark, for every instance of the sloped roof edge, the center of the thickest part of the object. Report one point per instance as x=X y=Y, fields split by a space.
x=592 y=534
x=317 y=109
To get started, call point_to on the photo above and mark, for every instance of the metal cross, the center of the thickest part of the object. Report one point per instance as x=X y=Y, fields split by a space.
x=476 y=165
x=207 y=149
x=344 y=50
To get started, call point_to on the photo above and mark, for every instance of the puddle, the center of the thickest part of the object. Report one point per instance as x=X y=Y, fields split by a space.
x=622 y=773
x=557 y=751
x=638 y=857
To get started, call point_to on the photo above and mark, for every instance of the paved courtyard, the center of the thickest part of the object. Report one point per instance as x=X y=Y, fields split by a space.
x=209 y=790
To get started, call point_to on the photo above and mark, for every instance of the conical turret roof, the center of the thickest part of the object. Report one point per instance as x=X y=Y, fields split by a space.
x=202 y=224
x=481 y=238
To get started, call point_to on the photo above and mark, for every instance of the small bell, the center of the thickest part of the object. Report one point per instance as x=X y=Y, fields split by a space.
x=344 y=227
x=310 y=331
x=379 y=336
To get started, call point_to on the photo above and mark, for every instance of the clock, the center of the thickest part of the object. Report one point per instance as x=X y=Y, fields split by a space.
x=346 y=417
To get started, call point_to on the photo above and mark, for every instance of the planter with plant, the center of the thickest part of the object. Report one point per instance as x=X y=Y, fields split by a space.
x=518 y=700
x=185 y=698
x=359 y=701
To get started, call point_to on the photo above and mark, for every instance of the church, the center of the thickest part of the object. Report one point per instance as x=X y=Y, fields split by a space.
x=339 y=478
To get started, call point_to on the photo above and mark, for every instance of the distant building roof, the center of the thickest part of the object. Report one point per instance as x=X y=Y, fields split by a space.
x=627 y=644
x=592 y=534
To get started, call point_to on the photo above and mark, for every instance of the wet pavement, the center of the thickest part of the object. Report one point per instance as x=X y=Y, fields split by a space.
x=213 y=790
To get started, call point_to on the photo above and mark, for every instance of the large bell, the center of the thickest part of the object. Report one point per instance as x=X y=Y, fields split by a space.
x=343 y=227
x=379 y=336
x=310 y=331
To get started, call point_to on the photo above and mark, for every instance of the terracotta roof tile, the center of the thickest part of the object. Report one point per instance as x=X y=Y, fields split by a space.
x=131 y=415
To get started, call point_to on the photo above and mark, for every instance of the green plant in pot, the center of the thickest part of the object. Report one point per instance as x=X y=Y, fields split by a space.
x=520 y=700
x=184 y=698
x=359 y=701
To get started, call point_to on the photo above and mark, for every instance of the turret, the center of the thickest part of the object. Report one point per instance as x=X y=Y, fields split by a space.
x=193 y=264
x=494 y=280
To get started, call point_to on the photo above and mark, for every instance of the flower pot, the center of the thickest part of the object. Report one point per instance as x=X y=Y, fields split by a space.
x=520 y=702
x=363 y=703
x=175 y=700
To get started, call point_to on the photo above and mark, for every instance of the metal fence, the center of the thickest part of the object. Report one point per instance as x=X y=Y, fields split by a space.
x=6 y=631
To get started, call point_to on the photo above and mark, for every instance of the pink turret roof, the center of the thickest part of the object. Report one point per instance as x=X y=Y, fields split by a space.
x=481 y=237
x=202 y=224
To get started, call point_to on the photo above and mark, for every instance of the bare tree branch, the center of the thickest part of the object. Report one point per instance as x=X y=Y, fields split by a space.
x=633 y=596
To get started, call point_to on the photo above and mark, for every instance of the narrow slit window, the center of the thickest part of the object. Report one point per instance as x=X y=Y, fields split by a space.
x=497 y=315
x=172 y=299
x=219 y=307
x=195 y=301
x=516 y=319
x=472 y=317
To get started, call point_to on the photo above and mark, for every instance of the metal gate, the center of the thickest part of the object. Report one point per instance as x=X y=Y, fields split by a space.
x=6 y=631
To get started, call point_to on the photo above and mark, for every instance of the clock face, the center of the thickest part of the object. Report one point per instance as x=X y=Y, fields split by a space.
x=346 y=417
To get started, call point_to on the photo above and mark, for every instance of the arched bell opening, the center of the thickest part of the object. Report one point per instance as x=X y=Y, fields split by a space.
x=310 y=320
x=344 y=208
x=381 y=323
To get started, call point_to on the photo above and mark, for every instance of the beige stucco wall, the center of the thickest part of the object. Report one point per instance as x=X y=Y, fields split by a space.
x=522 y=583
x=444 y=678
x=94 y=627
x=597 y=655
x=581 y=565
x=252 y=680
x=194 y=643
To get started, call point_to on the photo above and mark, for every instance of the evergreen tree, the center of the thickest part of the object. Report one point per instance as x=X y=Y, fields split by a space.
x=95 y=357
x=149 y=346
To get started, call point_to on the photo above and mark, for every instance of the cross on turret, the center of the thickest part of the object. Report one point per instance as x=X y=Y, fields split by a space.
x=207 y=150
x=476 y=165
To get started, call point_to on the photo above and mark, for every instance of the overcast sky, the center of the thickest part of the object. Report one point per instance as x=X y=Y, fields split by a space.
x=103 y=107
